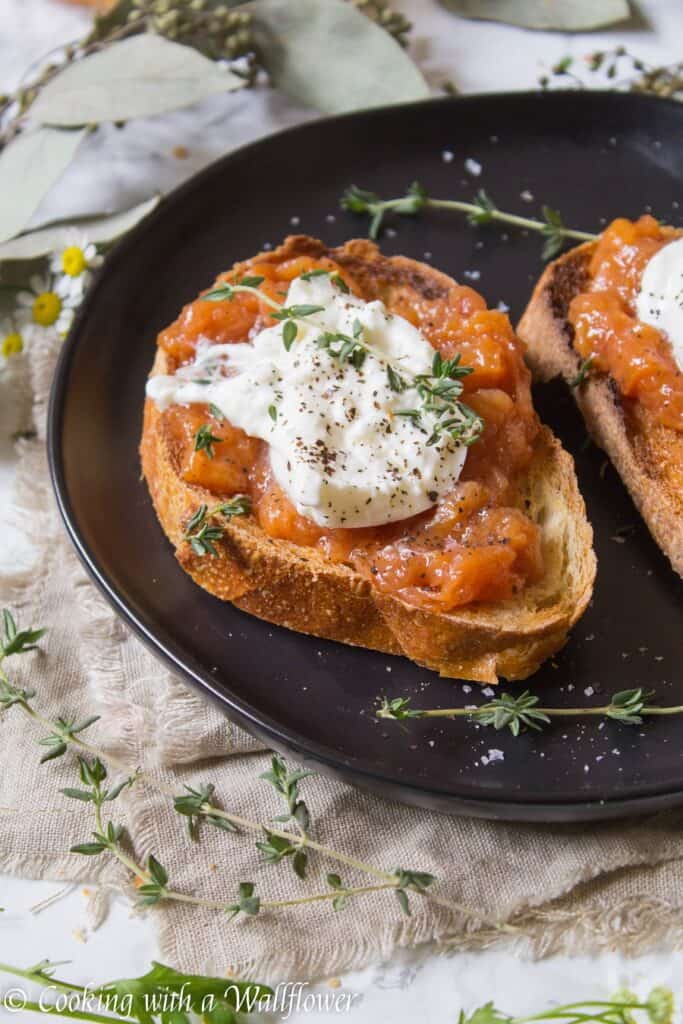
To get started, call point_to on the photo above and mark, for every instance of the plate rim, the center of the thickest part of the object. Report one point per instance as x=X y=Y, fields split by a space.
x=655 y=796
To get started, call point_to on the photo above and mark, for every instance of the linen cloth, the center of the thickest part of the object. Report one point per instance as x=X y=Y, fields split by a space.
x=555 y=888
x=592 y=887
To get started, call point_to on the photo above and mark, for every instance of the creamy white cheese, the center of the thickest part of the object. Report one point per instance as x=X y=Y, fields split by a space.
x=337 y=446
x=660 y=299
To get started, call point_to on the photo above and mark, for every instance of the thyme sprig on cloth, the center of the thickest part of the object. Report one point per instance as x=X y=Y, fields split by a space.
x=196 y=806
x=482 y=211
x=630 y=707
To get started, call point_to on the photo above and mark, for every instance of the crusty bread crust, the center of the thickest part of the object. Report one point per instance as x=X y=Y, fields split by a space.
x=299 y=588
x=647 y=455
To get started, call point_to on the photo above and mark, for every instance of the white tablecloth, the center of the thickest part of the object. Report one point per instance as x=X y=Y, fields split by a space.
x=117 y=169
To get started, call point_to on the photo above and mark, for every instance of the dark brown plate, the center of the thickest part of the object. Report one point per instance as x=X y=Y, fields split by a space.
x=594 y=156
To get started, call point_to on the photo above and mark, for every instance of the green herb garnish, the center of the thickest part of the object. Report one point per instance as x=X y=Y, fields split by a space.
x=204 y=440
x=482 y=211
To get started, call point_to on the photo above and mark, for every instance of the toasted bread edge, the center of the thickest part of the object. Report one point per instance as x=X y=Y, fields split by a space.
x=547 y=335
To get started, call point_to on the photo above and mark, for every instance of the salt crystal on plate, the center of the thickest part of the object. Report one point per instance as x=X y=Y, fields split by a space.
x=447 y=156
x=473 y=167
x=493 y=755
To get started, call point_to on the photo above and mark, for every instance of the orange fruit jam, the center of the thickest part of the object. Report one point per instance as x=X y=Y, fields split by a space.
x=637 y=356
x=477 y=544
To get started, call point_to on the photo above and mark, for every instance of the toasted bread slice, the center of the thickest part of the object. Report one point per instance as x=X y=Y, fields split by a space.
x=297 y=587
x=647 y=455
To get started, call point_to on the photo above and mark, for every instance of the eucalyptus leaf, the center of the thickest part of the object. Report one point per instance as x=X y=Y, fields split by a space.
x=138 y=77
x=29 y=167
x=326 y=54
x=551 y=15
x=55 y=236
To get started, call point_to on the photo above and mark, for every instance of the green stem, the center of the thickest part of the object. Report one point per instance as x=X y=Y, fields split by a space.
x=40 y=979
x=506 y=218
x=96 y=1018
x=675 y=709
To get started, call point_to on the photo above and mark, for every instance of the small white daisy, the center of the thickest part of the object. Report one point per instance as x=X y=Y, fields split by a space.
x=41 y=307
x=73 y=265
x=11 y=341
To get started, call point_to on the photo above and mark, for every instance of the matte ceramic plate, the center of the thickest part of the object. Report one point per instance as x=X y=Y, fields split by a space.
x=593 y=156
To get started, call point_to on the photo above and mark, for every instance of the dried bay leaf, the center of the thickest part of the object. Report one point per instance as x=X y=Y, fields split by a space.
x=54 y=236
x=326 y=54
x=551 y=15
x=138 y=77
x=29 y=167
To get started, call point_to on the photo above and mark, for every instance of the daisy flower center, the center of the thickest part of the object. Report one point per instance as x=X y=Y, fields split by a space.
x=74 y=261
x=46 y=309
x=12 y=344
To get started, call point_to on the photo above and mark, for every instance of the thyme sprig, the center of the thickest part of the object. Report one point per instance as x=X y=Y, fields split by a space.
x=198 y=805
x=204 y=528
x=482 y=211
x=630 y=707
x=204 y=440
x=440 y=393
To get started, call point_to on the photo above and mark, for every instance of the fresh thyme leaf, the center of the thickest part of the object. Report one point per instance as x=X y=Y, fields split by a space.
x=250 y=282
x=359 y=200
x=216 y=412
x=296 y=311
x=248 y=903
x=204 y=440
x=238 y=506
x=485 y=209
x=300 y=863
x=396 y=381
x=275 y=848
x=628 y=706
x=340 y=283
x=272 y=412
x=308 y=275
x=88 y=849
x=397 y=708
x=402 y=897
x=226 y=291
x=17 y=641
x=78 y=794
x=202 y=530
x=157 y=871
x=583 y=373
x=195 y=805
x=512 y=713
x=289 y=333
x=343 y=347
x=222 y=293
